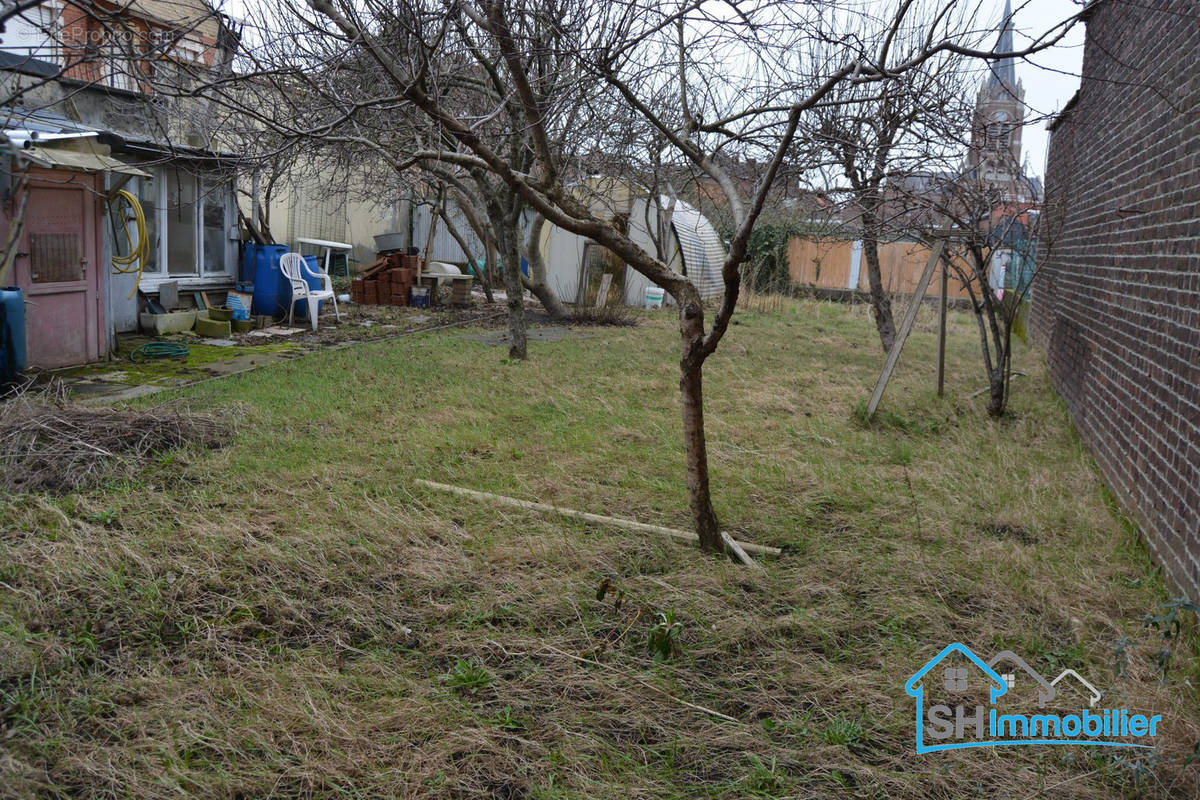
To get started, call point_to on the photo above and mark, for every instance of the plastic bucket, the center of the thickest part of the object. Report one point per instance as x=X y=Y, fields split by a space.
x=654 y=298
x=420 y=296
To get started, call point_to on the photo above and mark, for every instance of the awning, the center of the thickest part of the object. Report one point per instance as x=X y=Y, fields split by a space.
x=86 y=161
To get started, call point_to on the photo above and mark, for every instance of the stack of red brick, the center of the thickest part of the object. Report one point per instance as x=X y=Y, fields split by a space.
x=387 y=282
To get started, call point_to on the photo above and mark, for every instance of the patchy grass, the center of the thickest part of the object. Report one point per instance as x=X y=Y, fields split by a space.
x=292 y=617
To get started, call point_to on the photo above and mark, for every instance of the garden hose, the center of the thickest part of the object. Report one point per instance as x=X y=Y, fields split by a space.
x=158 y=350
x=138 y=246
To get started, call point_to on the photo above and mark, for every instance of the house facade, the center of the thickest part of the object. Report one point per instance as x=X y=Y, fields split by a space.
x=108 y=80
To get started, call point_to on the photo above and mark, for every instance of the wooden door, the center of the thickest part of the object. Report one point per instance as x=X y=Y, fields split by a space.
x=57 y=268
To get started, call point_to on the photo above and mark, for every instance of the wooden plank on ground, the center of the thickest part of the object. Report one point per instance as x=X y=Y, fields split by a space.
x=630 y=524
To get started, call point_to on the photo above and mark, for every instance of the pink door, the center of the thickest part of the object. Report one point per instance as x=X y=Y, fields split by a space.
x=57 y=268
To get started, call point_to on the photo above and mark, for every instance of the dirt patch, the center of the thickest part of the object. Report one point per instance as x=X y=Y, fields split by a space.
x=363 y=323
x=1013 y=532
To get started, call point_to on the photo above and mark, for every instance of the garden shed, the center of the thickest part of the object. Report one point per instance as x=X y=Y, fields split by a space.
x=575 y=265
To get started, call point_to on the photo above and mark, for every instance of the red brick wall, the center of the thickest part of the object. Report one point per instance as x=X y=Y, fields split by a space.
x=1116 y=303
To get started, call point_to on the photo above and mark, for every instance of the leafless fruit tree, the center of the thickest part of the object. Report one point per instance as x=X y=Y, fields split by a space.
x=714 y=81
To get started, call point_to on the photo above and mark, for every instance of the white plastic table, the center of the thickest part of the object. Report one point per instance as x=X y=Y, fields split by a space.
x=329 y=248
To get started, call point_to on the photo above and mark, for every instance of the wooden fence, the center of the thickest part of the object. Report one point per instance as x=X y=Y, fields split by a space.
x=839 y=264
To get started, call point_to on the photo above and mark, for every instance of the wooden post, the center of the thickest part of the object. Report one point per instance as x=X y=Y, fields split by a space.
x=910 y=316
x=602 y=295
x=942 y=332
x=433 y=221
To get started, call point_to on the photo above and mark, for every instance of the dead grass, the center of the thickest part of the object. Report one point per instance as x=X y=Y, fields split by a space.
x=291 y=617
x=48 y=444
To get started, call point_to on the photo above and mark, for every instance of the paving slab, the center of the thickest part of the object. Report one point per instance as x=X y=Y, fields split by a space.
x=276 y=331
x=111 y=394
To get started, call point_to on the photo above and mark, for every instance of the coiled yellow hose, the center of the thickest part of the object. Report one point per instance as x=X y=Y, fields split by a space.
x=124 y=265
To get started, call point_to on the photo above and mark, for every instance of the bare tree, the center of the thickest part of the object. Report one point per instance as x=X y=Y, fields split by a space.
x=882 y=134
x=990 y=229
x=572 y=77
x=536 y=280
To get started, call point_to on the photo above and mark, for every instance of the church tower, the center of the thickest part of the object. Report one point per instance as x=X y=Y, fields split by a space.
x=999 y=118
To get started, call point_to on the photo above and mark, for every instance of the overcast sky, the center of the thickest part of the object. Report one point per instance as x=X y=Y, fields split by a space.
x=1047 y=88
x=1050 y=78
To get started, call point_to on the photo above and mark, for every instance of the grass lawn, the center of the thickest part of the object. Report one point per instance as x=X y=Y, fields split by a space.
x=291 y=617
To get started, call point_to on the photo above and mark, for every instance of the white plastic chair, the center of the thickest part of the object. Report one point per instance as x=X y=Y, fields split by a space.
x=294 y=268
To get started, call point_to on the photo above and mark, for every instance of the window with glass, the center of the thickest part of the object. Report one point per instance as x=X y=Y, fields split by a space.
x=35 y=33
x=187 y=222
x=147 y=195
x=117 y=68
x=214 y=224
x=181 y=222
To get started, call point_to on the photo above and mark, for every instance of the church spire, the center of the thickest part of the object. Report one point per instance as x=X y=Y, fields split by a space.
x=1004 y=71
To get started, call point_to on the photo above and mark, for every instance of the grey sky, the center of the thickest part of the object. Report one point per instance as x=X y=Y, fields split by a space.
x=1050 y=78
x=1047 y=88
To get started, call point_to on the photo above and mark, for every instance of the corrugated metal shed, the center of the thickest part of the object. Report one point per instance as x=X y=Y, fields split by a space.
x=701 y=248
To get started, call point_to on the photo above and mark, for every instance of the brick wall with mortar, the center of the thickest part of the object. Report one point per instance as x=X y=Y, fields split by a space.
x=1116 y=303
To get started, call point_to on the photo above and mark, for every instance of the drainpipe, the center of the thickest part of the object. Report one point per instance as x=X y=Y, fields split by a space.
x=106 y=283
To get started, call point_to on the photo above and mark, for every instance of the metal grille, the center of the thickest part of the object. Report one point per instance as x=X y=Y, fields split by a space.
x=54 y=257
x=317 y=215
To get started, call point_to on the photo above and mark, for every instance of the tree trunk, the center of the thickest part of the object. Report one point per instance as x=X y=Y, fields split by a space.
x=481 y=233
x=510 y=255
x=691 y=392
x=465 y=247
x=881 y=304
x=536 y=282
x=489 y=266
x=996 y=404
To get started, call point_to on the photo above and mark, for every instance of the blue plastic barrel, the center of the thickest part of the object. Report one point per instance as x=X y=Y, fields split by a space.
x=314 y=282
x=12 y=334
x=260 y=262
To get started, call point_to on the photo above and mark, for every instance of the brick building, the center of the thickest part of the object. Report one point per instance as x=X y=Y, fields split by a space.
x=1116 y=302
x=113 y=79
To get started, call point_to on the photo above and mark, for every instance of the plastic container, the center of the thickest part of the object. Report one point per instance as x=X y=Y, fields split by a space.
x=271 y=290
x=654 y=298
x=388 y=242
x=420 y=297
x=13 y=354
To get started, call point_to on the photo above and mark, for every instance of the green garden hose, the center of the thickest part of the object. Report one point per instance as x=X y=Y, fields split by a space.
x=158 y=350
